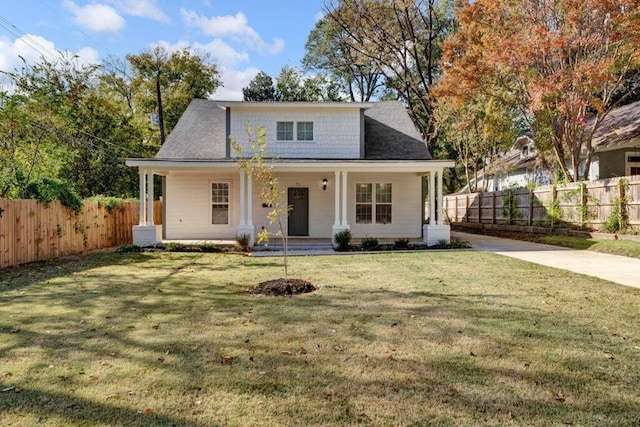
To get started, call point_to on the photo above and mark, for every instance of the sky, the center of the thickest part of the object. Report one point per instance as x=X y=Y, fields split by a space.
x=243 y=37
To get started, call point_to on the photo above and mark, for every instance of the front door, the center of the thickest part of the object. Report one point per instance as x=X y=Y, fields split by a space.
x=298 y=199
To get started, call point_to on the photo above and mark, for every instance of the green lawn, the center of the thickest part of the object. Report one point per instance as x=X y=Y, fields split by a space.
x=429 y=338
x=616 y=247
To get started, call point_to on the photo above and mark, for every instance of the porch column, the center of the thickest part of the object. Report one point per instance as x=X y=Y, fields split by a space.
x=143 y=196
x=250 y=202
x=336 y=184
x=432 y=198
x=242 y=197
x=149 y=197
x=440 y=211
x=344 y=198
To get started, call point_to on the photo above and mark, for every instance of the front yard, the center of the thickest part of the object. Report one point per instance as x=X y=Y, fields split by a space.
x=430 y=338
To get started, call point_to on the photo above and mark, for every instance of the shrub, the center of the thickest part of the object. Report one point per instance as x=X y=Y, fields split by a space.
x=123 y=249
x=48 y=189
x=370 y=244
x=343 y=240
x=242 y=242
x=175 y=247
x=209 y=247
x=401 y=244
x=109 y=202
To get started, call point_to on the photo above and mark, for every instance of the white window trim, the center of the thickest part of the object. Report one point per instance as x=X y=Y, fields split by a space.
x=373 y=203
x=230 y=202
x=627 y=164
x=295 y=131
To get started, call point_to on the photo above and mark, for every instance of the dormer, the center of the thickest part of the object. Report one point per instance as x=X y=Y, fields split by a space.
x=526 y=146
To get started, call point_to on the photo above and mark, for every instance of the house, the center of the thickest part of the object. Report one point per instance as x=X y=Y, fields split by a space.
x=616 y=146
x=343 y=165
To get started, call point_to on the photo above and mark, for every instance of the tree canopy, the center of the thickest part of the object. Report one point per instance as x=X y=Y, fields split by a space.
x=561 y=63
x=291 y=85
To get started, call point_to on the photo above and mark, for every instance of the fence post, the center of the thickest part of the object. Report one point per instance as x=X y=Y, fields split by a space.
x=583 y=204
x=466 y=206
x=480 y=207
x=530 y=219
x=624 y=215
x=493 y=207
x=554 y=201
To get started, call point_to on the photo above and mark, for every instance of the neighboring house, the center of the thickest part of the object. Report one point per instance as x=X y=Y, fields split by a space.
x=343 y=166
x=616 y=153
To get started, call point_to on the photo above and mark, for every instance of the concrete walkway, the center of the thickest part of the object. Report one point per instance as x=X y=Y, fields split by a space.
x=617 y=269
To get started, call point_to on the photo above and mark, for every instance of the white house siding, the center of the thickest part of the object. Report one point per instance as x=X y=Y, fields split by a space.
x=188 y=206
x=321 y=207
x=406 y=193
x=336 y=131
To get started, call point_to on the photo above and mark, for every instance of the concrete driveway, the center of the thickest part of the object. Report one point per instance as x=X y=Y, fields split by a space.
x=618 y=269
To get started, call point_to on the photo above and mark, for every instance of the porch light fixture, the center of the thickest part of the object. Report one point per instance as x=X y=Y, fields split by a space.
x=324 y=183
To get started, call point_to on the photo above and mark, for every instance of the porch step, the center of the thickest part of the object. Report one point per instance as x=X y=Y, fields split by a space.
x=295 y=246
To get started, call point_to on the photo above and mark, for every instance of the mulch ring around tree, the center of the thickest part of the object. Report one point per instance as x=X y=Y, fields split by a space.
x=282 y=287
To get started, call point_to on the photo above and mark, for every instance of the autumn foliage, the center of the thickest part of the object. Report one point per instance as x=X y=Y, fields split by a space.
x=560 y=63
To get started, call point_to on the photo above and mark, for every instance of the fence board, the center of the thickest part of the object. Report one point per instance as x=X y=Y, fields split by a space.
x=569 y=204
x=31 y=231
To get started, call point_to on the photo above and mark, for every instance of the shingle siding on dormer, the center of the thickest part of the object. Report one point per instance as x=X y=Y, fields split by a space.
x=337 y=133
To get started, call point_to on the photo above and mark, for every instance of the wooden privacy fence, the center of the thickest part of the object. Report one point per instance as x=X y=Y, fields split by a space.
x=31 y=231
x=585 y=205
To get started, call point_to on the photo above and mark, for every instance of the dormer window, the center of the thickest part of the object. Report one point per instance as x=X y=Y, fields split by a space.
x=525 y=151
x=528 y=150
x=303 y=131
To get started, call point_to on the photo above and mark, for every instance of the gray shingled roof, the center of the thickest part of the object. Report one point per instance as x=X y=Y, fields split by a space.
x=620 y=125
x=389 y=134
x=200 y=134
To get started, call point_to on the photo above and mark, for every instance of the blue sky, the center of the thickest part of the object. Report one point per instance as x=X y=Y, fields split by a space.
x=242 y=36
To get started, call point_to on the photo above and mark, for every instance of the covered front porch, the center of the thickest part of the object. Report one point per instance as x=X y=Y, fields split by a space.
x=384 y=200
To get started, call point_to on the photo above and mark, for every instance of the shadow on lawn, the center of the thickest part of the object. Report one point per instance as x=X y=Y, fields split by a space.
x=243 y=345
x=45 y=405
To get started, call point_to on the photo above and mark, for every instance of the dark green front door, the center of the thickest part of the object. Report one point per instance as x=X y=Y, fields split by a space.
x=298 y=199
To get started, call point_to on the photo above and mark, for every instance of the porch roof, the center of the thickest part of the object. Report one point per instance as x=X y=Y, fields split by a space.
x=297 y=165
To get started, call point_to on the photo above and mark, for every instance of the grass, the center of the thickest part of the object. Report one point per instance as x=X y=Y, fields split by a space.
x=428 y=338
x=616 y=247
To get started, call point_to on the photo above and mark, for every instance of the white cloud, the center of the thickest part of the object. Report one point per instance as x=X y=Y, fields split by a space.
x=32 y=48
x=144 y=8
x=233 y=81
x=235 y=27
x=222 y=53
x=97 y=18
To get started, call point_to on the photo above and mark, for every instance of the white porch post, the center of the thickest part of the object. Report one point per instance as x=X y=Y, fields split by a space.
x=250 y=203
x=344 y=199
x=146 y=233
x=436 y=231
x=143 y=197
x=242 y=197
x=432 y=198
x=245 y=227
x=340 y=221
x=440 y=210
x=149 y=197
x=336 y=184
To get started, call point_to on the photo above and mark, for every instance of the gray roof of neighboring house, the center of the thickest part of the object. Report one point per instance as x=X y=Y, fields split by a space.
x=619 y=126
x=389 y=134
x=200 y=134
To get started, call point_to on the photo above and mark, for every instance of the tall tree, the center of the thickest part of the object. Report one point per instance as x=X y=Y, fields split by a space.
x=327 y=53
x=261 y=88
x=559 y=62
x=170 y=78
x=401 y=39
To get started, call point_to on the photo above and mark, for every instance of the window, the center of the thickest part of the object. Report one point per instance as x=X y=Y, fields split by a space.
x=219 y=203
x=305 y=131
x=372 y=206
x=632 y=163
x=284 y=131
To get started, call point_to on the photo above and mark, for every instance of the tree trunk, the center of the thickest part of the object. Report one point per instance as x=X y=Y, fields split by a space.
x=160 y=113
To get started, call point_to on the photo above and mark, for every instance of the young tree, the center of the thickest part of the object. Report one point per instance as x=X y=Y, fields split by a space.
x=258 y=166
x=559 y=62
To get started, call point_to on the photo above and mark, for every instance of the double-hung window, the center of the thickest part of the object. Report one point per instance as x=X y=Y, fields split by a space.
x=632 y=163
x=373 y=203
x=303 y=131
x=284 y=131
x=219 y=203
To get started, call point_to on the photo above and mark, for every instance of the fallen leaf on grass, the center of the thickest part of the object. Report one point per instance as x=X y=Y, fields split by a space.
x=15 y=330
x=156 y=326
x=111 y=396
x=148 y=410
x=286 y=353
x=4 y=390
